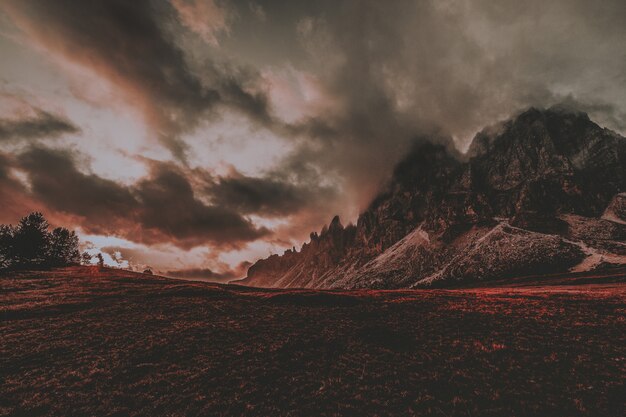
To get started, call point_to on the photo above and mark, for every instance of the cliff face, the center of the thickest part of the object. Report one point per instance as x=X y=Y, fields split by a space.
x=543 y=192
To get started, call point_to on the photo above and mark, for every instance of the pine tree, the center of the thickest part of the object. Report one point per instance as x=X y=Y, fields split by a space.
x=63 y=247
x=7 y=251
x=31 y=241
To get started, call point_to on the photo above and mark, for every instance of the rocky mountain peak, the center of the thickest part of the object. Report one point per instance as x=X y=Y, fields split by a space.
x=335 y=225
x=529 y=187
x=536 y=128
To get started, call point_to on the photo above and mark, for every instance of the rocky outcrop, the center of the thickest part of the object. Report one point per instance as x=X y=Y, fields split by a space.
x=616 y=211
x=506 y=251
x=543 y=192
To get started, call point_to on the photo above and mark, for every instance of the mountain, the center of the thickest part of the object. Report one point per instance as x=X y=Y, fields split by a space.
x=543 y=192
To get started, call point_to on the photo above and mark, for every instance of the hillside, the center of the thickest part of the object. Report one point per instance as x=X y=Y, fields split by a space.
x=541 y=193
x=83 y=341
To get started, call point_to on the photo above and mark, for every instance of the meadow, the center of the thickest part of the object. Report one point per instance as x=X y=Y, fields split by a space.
x=90 y=341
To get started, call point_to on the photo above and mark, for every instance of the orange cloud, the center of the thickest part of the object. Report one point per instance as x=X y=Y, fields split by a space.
x=207 y=18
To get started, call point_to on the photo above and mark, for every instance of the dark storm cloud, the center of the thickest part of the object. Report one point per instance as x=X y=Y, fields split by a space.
x=160 y=208
x=42 y=125
x=406 y=66
x=163 y=206
x=401 y=69
x=4 y=167
x=169 y=204
x=13 y=194
x=267 y=195
x=56 y=180
x=127 y=43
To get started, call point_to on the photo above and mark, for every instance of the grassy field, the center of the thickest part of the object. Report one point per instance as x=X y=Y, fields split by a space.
x=80 y=341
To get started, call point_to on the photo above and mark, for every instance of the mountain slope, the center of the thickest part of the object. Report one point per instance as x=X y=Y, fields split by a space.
x=540 y=193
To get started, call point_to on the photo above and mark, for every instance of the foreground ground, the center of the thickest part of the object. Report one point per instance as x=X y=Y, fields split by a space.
x=85 y=342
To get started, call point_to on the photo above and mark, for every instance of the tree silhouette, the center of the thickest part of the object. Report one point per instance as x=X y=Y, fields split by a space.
x=30 y=245
x=86 y=258
x=63 y=247
x=100 y=260
x=6 y=246
x=31 y=240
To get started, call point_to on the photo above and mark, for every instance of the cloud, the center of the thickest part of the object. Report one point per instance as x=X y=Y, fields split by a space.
x=205 y=17
x=132 y=45
x=41 y=125
x=267 y=196
x=170 y=204
x=14 y=195
x=132 y=257
x=257 y=11
x=411 y=68
x=162 y=207
x=199 y=263
x=56 y=180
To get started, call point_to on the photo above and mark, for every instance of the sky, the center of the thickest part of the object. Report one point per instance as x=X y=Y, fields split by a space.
x=196 y=136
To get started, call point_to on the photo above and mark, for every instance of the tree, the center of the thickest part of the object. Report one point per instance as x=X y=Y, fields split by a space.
x=63 y=248
x=31 y=241
x=29 y=244
x=85 y=258
x=100 y=260
x=6 y=246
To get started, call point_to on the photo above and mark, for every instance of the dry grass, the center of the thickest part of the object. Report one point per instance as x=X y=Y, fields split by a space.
x=83 y=342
